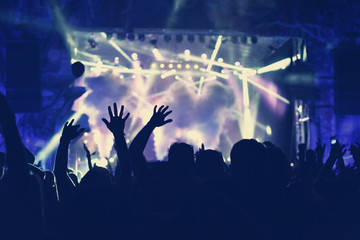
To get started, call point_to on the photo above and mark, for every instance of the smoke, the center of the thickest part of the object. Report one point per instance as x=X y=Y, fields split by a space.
x=197 y=118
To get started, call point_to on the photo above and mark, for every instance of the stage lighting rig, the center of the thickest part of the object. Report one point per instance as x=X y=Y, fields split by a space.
x=179 y=38
x=167 y=38
x=141 y=37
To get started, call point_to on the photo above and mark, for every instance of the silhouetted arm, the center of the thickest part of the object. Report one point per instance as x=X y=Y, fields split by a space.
x=319 y=150
x=16 y=158
x=65 y=185
x=88 y=157
x=355 y=152
x=116 y=126
x=302 y=164
x=137 y=146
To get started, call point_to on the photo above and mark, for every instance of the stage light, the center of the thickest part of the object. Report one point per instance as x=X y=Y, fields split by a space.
x=168 y=74
x=237 y=64
x=167 y=38
x=220 y=60
x=157 y=54
x=86 y=134
x=77 y=69
x=131 y=37
x=141 y=37
x=111 y=159
x=171 y=65
x=214 y=53
x=134 y=76
x=179 y=66
x=203 y=56
x=109 y=36
x=254 y=40
x=179 y=38
x=134 y=56
x=244 y=39
x=201 y=38
x=153 y=41
x=196 y=66
x=92 y=42
x=234 y=39
x=222 y=71
x=191 y=38
x=292 y=165
x=187 y=52
x=187 y=66
x=162 y=65
x=300 y=109
x=282 y=64
x=85 y=141
x=268 y=130
x=121 y=76
x=121 y=36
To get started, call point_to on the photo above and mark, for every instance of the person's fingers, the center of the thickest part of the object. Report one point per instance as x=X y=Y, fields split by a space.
x=166 y=114
x=126 y=117
x=121 y=111
x=115 y=110
x=110 y=112
x=106 y=122
x=160 y=108
x=164 y=110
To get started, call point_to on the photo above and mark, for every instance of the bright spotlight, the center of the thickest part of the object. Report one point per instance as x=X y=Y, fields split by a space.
x=187 y=52
x=187 y=66
x=157 y=54
x=196 y=66
x=171 y=65
x=237 y=64
x=203 y=56
x=111 y=160
x=268 y=130
x=85 y=141
x=134 y=56
x=220 y=60
x=162 y=65
x=86 y=134
x=179 y=66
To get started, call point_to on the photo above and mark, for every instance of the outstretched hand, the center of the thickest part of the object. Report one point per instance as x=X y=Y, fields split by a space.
x=117 y=122
x=158 y=117
x=71 y=131
x=320 y=149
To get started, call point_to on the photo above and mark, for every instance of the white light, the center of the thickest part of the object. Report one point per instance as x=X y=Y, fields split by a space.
x=111 y=160
x=214 y=53
x=79 y=159
x=187 y=66
x=203 y=56
x=222 y=71
x=187 y=52
x=121 y=76
x=300 y=108
x=85 y=141
x=133 y=76
x=157 y=54
x=167 y=74
x=220 y=60
x=179 y=66
x=162 y=65
x=268 y=130
x=134 y=56
x=171 y=65
x=86 y=134
x=196 y=66
x=237 y=64
x=282 y=64
x=291 y=164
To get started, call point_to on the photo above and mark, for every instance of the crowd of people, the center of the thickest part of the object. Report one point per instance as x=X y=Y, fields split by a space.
x=193 y=195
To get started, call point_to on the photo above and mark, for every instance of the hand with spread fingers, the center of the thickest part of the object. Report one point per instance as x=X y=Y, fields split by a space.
x=158 y=117
x=70 y=131
x=117 y=122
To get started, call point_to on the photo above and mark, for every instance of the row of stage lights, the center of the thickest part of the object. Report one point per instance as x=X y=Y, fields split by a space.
x=180 y=38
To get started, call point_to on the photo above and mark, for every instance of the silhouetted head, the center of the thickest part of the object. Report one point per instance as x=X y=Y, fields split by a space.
x=247 y=162
x=209 y=163
x=96 y=176
x=181 y=157
x=278 y=171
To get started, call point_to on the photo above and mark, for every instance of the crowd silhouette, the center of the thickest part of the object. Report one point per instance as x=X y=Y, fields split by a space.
x=192 y=195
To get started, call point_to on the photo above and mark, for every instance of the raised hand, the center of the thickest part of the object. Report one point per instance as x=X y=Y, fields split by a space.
x=158 y=117
x=71 y=131
x=319 y=150
x=117 y=122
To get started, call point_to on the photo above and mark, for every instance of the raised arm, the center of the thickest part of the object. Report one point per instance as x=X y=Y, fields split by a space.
x=116 y=125
x=65 y=185
x=137 y=146
x=88 y=157
x=16 y=158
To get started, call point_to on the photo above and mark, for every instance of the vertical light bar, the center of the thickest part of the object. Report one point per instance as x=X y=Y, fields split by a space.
x=213 y=55
x=112 y=43
x=248 y=122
